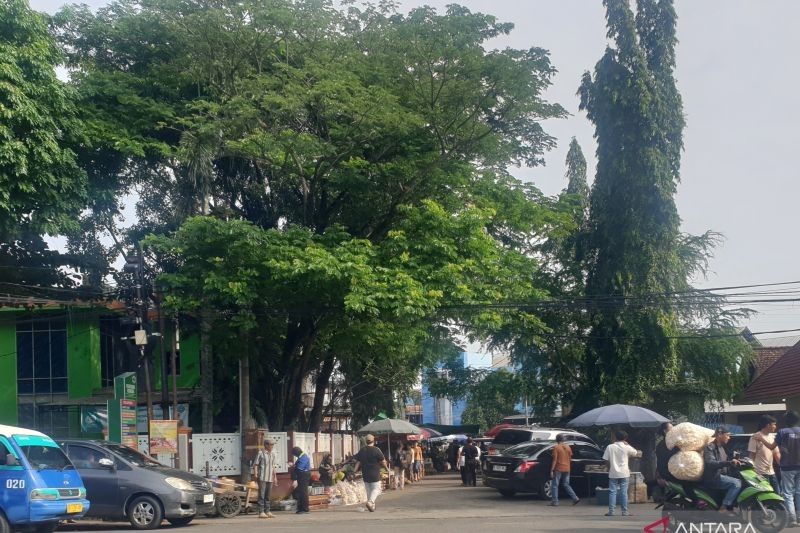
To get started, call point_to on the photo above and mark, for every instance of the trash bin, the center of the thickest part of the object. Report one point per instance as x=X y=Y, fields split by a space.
x=601 y=496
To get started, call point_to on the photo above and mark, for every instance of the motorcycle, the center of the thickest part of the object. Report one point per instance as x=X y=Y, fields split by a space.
x=758 y=503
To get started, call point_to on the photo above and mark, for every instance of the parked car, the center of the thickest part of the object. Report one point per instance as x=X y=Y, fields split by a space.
x=526 y=468
x=123 y=484
x=512 y=436
x=38 y=484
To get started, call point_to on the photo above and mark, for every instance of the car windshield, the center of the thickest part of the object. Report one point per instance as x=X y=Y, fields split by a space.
x=42 y=453
x=132 y=456
x=525 y=450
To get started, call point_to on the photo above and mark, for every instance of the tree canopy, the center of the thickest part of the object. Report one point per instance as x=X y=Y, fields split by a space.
x=354 y=164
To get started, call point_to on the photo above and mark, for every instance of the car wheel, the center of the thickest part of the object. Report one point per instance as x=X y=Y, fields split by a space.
x=545 y=489
x=144 y=512
x=507 y=493
x=4 y=526
x=180 y=522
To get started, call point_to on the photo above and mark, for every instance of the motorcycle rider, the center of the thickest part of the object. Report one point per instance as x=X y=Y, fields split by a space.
x=716 y=463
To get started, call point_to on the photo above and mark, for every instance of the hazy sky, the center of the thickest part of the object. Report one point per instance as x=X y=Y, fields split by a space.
x=739 y=88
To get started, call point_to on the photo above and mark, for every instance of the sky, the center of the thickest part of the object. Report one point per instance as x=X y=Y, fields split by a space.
x=739 y=171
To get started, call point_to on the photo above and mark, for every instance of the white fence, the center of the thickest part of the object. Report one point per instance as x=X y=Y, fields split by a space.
x=216 y=454
x=219 y=454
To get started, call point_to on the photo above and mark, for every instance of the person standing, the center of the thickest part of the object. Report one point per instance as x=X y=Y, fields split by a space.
x=266 y=474
x=787 y=441
x=619 y=473
x=559 y=471
x=399 y=467
x=452 y=455
x=471 y=454
x=370 y=459
x=301 y=474
x=418 y=462
x=763 y=451
x=715 y=468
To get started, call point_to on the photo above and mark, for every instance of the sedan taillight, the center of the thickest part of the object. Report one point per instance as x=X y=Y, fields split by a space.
x=524 y=466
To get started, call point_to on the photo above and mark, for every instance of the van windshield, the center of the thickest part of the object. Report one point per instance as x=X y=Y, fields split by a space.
x=42 y=453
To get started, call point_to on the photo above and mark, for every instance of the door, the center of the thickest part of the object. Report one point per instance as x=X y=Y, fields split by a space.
x=101 y=482
x=583 y=455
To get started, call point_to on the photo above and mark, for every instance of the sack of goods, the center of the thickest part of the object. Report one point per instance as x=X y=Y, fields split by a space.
x=688 y=437
x=686 y=466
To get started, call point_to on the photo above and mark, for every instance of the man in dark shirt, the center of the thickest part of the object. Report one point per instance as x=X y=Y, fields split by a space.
x=470 y=453
x=301 y=476
x=370 y=460
x=716 y=463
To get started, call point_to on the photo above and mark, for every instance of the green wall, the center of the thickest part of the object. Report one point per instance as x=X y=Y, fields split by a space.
x=83 y=355
x=8 y=370
x=189 y=370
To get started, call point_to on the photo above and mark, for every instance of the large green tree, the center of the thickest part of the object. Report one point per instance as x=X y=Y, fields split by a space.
x=365 y=131
x=638 y=262
x=41 y=185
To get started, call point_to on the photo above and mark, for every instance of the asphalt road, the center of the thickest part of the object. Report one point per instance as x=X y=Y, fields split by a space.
x=439 y=503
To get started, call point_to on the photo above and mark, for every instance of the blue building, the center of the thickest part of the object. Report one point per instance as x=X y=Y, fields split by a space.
x=444 y=411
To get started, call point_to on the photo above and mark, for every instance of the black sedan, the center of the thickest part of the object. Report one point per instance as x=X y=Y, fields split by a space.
x=526 y=468
x=123 y=484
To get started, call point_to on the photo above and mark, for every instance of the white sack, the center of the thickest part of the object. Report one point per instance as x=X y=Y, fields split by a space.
x=689 y=437
x=686 y=466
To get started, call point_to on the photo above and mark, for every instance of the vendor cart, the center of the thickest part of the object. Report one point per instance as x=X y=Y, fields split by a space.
x=231 y=498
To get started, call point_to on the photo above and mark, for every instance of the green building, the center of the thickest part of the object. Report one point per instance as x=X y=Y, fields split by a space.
x=57 y=361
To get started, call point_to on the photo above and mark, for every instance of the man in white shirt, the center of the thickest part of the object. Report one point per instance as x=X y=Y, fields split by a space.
x=617 y=455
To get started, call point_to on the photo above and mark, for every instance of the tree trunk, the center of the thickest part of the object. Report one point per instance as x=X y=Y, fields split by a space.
x=207 y=373
x=321 y=387
x=244 y=377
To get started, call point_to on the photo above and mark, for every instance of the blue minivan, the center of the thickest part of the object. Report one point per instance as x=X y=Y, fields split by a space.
x=38 y=484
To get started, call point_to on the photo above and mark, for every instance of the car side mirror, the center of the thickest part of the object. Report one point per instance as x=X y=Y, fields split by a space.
x=106 y=463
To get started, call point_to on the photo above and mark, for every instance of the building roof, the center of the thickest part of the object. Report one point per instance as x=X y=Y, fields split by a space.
x=766 y=357
x=781 y=380
x=779 y=342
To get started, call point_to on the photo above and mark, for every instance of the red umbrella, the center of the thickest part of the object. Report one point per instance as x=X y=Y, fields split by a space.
x=495 y=430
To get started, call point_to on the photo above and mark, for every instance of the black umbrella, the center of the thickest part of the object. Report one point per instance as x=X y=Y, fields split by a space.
x=619 y=415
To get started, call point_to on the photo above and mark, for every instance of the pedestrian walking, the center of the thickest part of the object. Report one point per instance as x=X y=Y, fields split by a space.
x=787 y=442
x=471 y=454
x=763 y=451
x=408 y=461
x=619 y=473
x=265 y=472
x=560 y=470
x=301 y=476
x=370 y=459
x=398 y=465
x=462 y=465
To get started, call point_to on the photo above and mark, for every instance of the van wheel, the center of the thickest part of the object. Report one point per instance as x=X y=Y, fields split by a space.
x=145 y=513
x=4 y=527
x=180 y=522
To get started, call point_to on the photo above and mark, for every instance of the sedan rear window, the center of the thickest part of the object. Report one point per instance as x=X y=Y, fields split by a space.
x=525 y=450
x=512 y=436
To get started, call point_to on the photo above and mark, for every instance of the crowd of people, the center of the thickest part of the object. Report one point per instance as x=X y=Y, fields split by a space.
x=775 y=454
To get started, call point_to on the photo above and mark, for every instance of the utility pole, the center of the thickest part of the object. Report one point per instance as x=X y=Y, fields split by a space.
x=136 y=267
x=164 y=387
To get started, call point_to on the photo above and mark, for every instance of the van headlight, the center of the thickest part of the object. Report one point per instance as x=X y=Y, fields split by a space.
x=44 y=494
x=178 y=483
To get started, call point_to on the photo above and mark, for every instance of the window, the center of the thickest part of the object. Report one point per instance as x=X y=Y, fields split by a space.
x=586 y=452
x=108 y=366
x=85 y=458
x=512 y=436
x=41 y=356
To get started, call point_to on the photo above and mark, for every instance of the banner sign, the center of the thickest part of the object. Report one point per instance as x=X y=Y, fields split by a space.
x=163 y=436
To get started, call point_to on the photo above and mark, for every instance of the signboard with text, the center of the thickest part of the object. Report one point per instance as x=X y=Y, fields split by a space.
x=122 y=411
